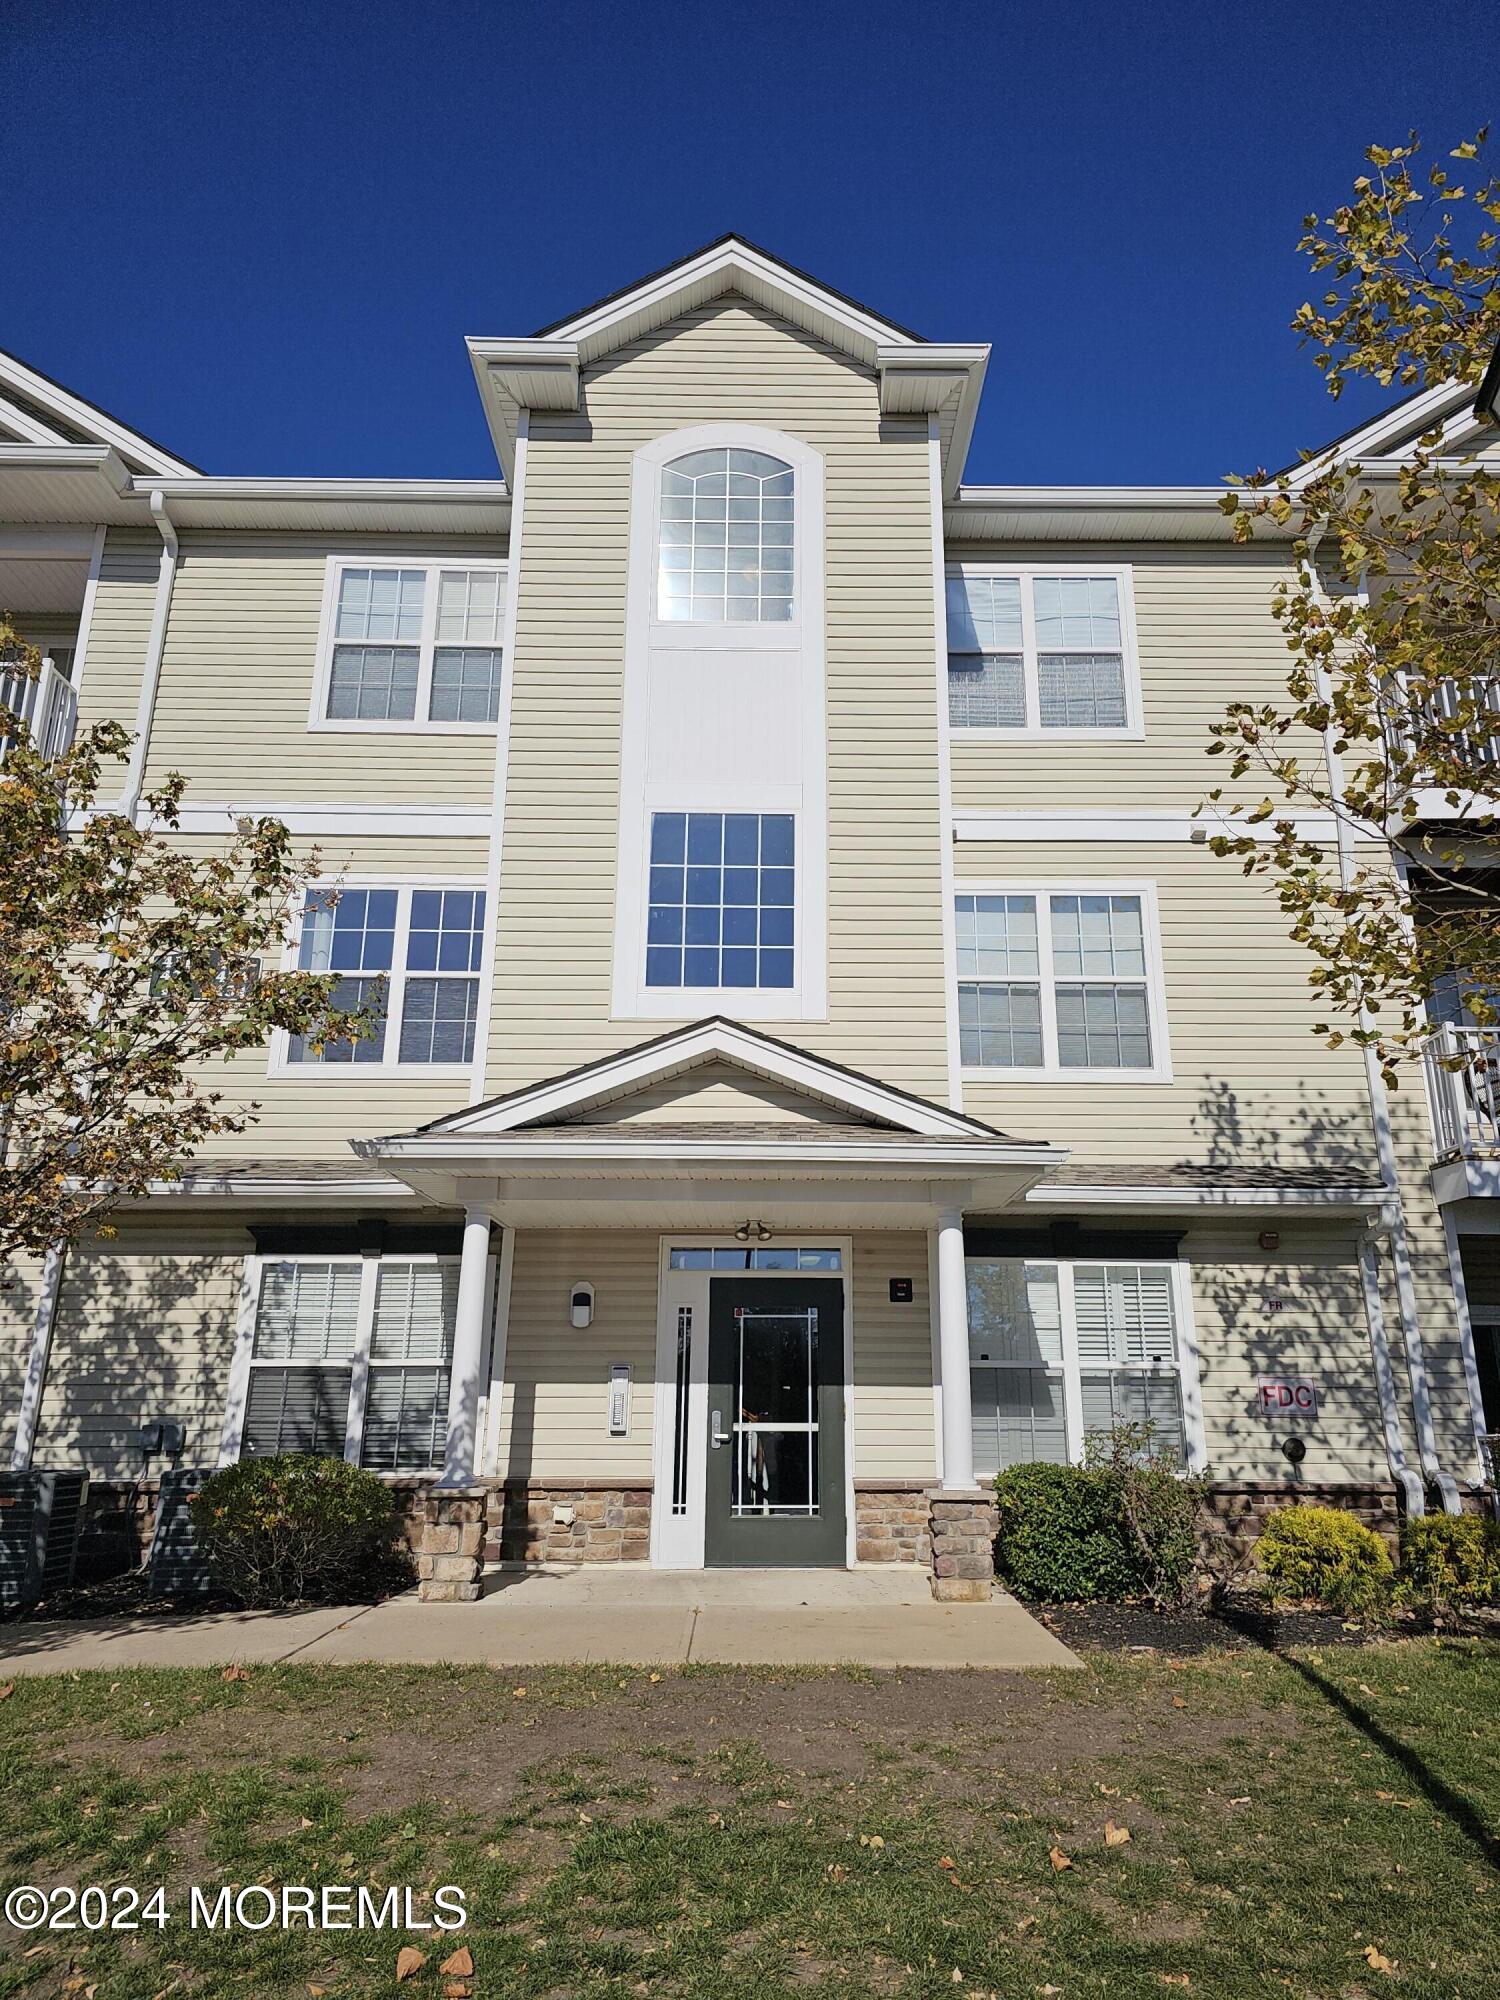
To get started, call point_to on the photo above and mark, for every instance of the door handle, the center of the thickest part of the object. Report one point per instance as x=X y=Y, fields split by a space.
x=716 y=1436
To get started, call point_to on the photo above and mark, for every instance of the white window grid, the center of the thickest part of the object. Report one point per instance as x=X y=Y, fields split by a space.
x=457 y=630
x=1163 y=1352
x=355 y=1350
x=1049 y=978
x=397 y=981
x=1031 y=651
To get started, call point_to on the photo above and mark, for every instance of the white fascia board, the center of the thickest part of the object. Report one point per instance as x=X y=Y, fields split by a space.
x=234 y=1187
x=867 y=332
x=102 y=459
x=1054 y=1195
x=1417 y=414
x=703 y=1042
x=481 y=491
x=1113 y=497
x=83 y=416
x=536 y=374
x=972 y=1157
x=921 y=378
x=67 y=543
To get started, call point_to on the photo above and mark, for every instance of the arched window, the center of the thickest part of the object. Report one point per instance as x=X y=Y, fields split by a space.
x=725 y=540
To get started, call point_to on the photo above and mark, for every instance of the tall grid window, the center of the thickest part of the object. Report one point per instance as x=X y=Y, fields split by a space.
x=410 y=955
x=722 y=900
x=1060 y=1350
x=410 y=643
x=1055 y=982
x=725 y=553
x=1037 y=652
x=322 y=1325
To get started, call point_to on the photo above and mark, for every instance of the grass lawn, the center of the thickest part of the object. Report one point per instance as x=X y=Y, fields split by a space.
x=1327 y=1825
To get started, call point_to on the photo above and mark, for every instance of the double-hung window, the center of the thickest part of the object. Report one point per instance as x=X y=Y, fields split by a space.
x=351 y=1358
x=1034 y=652
x=1061 y=1350
x=410 y=956
x=1060 y=982
x=411 y=644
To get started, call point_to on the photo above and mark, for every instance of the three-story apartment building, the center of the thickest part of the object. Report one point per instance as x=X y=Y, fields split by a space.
x=822 y=1061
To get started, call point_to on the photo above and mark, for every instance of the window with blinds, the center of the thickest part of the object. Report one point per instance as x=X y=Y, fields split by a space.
x=317 y=1323
x=411 y=1350
x=1127 y=1350
x=1057 y=1350
x=1038 y=654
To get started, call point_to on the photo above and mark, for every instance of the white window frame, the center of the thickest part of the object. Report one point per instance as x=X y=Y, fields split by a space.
x=281 y=1064
x=1123 y=576
x=1071 y=1369
x=318 y=716
x=243 y=1364
x=1051 y=1070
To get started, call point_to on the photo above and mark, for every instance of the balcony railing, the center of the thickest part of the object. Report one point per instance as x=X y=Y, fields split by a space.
x=47 y=705
x=1465 y=1101
x=1478 y=752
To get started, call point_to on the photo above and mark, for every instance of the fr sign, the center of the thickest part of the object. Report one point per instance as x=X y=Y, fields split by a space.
x=1287 y=1396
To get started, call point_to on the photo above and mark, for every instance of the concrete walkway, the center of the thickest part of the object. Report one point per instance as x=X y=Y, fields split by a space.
x=553 y=1617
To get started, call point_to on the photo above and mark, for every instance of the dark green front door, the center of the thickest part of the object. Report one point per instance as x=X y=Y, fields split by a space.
x=776 y=1422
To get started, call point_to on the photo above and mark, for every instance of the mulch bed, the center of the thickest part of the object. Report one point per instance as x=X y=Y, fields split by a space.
x=1136 y=1627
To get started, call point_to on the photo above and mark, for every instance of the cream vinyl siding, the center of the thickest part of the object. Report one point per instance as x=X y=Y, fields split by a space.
x=1298 y=1310
x=1252 y=1086
x=1205 y=636
x=315 y=1114
x=121 y=625
x=729 y=362
x=554 y=1414
x=237 y=677
x=145 y=1329
x=894 y=1422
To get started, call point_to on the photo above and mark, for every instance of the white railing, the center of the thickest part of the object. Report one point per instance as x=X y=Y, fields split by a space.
x=1440 y=709
x=1466 y=1100
x=47 y=705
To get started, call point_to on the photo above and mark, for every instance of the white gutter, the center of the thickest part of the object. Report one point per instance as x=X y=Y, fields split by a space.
x=166 y=576
x=1394 y=1210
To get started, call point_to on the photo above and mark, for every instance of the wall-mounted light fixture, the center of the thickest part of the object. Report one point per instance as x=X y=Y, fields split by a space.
x=581 y=1305
x=752 y=1232
x=1268 y=1239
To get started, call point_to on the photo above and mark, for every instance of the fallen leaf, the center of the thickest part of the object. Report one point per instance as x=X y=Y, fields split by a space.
x=35 y=1951
x=459 y=1964
x=7 y=1691
x=456 y=1989
x=1175 y=1979
x=1110 y=1791
x=307 y=1822
x=235 y=1674
x=317 y=1992
x=1058 y=1859
x=656 y=1677
x=1178 y=1702
x=871 y=1840
x=519 y=1693
x=1378 y=1962
x=1406 y=1805
x=1024 y=1924
x=1115 y=1836
x=408 y=1961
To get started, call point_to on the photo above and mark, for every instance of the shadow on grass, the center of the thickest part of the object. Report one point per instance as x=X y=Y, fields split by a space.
x=1455 y=1808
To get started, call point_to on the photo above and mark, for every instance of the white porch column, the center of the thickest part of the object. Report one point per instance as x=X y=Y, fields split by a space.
x=460 y=1464
x=953 y=1352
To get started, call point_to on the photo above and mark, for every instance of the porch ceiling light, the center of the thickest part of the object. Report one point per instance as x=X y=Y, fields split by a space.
x=756 y=1231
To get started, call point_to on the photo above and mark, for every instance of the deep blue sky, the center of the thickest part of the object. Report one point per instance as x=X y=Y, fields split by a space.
x=259 y=231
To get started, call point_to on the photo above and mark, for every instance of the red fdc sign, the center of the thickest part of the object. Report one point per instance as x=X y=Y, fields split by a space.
x=1287 y=1396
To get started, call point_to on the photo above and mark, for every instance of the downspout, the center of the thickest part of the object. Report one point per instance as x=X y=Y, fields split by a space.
x=156 y=642
x=1393 y=1211
x=39 y=1357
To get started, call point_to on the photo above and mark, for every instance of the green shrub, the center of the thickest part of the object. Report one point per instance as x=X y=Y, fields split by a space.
x=288 y=1530
x=1124 y=1524
x=1450 y=1559
x=1326 y=1554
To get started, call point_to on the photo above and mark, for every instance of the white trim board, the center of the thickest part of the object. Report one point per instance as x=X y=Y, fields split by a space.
x=1119 y=823
x=684 y=1049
